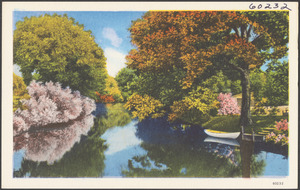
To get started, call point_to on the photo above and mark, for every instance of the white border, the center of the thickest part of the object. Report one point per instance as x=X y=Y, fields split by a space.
x=7 y=67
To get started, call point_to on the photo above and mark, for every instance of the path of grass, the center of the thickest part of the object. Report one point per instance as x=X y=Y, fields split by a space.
x=261 y=124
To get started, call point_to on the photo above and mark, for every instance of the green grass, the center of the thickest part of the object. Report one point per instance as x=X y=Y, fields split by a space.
x=261 y=124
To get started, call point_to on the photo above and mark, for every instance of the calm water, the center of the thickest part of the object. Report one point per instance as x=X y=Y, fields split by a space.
x=117 y=146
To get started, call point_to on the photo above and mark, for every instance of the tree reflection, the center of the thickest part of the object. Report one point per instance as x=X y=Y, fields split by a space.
x=85 y=159
x=52 y=143
x=112 y=115
x=183 y=161
x=246 y=155
x=180 y=161
x=66 y=151
x=161 y=131
x=185 y=155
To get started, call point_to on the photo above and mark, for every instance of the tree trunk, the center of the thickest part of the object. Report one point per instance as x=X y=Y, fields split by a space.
x=245 y=119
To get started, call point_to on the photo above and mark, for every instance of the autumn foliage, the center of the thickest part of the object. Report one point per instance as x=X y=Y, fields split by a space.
x=104 y=98
x=189 y=39
x=112 y=88
x=144 y=106
x=197 y=107
x=193 y=41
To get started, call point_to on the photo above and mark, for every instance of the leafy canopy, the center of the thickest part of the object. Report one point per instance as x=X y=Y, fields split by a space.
x=126 y=82
x=277 y=83
x=197 y=42
x=57 y=49
x=194 y=40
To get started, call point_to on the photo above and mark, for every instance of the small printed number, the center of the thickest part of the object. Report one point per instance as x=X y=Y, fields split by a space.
x=277 y=183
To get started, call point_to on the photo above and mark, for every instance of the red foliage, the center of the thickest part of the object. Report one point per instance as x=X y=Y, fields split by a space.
x=282 y=125
x=104 y=98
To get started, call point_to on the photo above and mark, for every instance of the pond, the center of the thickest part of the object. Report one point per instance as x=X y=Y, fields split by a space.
x=118 y=146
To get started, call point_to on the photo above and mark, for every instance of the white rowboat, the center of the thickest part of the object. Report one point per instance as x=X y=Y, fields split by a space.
x=220 y=134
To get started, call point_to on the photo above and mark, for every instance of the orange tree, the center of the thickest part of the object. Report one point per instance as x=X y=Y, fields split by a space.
x=200 y=41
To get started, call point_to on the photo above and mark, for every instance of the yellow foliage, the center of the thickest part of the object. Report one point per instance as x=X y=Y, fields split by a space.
x=259 y=108
x=197 y=106
x=112 y=87
x=19 y=92
x=144 y=106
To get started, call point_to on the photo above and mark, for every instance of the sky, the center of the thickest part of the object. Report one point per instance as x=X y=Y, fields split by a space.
x=110 y=29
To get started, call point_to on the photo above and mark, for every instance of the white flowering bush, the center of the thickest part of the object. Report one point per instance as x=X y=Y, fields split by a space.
x=54 y=121
x=228 y=105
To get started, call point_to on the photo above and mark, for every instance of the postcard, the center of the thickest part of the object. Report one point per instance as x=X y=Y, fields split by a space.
x=150 y=95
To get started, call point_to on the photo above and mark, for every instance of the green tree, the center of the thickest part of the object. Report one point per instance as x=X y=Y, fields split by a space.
x=57 y=49
x=126 y=81
x=258 y=82
x=236 y=87
x=165 y=87
x=19 y=92
x=221 y=83
x=277 y=85
x=194 y=40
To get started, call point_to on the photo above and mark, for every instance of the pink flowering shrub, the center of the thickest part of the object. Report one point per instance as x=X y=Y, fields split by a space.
x=280 y=133
x=282 y=125
x=53 y=122
x=228 y=105
x=50 y=104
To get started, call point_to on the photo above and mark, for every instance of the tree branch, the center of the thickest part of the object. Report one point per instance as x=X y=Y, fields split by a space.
x=235 y=67
x=248 y=32
x=255 y=39
x=236 y=31
x=242 y=31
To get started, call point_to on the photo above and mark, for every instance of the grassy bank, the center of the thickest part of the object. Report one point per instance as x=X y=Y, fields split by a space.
x=231 y=123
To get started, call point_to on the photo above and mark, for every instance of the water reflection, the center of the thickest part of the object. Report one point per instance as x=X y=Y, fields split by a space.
x=117 y=146
x=246 y=154
x=52 y=143
x=160 y=131
x=67 y=151
x=85 y=159
x=119 y=139
x=232 y=142
x=186 y=154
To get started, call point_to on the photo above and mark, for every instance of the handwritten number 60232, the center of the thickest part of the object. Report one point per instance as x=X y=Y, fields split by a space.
x=269 y=6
